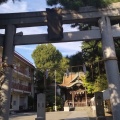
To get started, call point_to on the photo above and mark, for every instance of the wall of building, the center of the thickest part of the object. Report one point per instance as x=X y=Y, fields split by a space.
x=22 y=82
x=15 y=101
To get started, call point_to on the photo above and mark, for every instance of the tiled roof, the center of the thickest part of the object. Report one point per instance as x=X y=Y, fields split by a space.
x=68 y=80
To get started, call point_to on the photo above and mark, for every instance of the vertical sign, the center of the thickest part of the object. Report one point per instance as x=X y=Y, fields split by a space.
x=99 y=104
x=54 y=22
x=40 y=106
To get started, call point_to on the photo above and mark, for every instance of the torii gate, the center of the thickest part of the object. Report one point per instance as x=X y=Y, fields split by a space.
x=106 y=33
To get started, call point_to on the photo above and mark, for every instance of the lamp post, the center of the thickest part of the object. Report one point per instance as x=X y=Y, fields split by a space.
x=55 y=92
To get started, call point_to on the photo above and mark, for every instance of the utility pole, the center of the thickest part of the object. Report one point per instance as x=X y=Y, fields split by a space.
x=55 y=92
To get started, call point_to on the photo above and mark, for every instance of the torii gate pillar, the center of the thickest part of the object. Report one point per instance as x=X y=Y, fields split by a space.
x=8 y=51
x=111 y=65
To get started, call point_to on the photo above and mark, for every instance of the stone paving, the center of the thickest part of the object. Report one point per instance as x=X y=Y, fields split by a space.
x=72 y=115
x=79 y=114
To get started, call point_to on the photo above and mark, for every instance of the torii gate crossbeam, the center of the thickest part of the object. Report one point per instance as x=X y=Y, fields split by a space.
x=85 y=15
x=102 y=17
x=20 y=39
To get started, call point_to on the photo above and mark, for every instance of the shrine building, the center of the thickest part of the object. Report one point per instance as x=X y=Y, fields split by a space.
x=73 y=90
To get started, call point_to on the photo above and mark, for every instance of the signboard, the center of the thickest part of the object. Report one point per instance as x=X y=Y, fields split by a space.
x=41 y=105
x=99 y=104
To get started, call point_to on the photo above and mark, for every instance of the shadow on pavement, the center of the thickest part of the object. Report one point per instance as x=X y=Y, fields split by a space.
x=107 y=118
x=23 y=114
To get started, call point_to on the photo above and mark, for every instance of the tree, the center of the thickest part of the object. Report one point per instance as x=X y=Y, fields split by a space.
x=4 y=1
x=93 y=57
x=76 y=4
x=39 y=81
x=87 y=84
x=100 y=83
x=76 y=60
x=48 y=57
x=91 y=51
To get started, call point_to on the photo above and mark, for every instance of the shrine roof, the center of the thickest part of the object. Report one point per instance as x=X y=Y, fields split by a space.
x=72 y=79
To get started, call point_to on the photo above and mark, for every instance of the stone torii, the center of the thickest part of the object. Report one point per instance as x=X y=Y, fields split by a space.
x=106 y=33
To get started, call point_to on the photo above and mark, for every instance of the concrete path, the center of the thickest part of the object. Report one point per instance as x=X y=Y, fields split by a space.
x=78 y=115
x=72 y=115
x=23 y=116
x=84 y=113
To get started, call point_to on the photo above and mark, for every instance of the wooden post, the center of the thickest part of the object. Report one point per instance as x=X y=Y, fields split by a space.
x=111 y=65
x=8 y=52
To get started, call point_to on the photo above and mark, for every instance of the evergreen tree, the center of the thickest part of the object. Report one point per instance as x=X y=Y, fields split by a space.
x=47 y=57
x=5 y=1
x=76 y=62
x=76 y=4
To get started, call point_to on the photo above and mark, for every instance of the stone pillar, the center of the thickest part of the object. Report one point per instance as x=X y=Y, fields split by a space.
x=100 y=114
x=111 y=65
x=41 y=107
x=8 y=52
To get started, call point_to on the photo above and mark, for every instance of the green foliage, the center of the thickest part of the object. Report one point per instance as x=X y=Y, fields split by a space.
x=95 y=79
x=76 y=60
x=39 y=81
x=4 y=1
x=50 y=98
x=88 y=85
x=100 y=83
x=30 y=102
x=63 y=65
x=50 y=93
x=92 y=55
x=117 y=48
x=76 y=4
x=48 y=57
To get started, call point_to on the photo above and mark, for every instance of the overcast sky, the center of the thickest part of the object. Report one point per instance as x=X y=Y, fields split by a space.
x=37 y=5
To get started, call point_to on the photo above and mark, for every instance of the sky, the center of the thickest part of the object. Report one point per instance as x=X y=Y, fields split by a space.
x=69 y=48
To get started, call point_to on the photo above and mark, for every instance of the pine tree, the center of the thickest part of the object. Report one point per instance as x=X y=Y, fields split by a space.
x=76 y=4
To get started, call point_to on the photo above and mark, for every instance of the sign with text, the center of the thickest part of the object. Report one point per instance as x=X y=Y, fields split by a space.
x=99 y=104
x=41 y=105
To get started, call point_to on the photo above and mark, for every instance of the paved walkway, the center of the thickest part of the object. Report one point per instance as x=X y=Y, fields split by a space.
x=77 y=115
x=80 y=114
x=72 y=115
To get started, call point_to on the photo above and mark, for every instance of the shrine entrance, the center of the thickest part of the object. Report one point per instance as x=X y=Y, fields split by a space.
x=79 y=98
x=73 y=90
x=104 y=19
